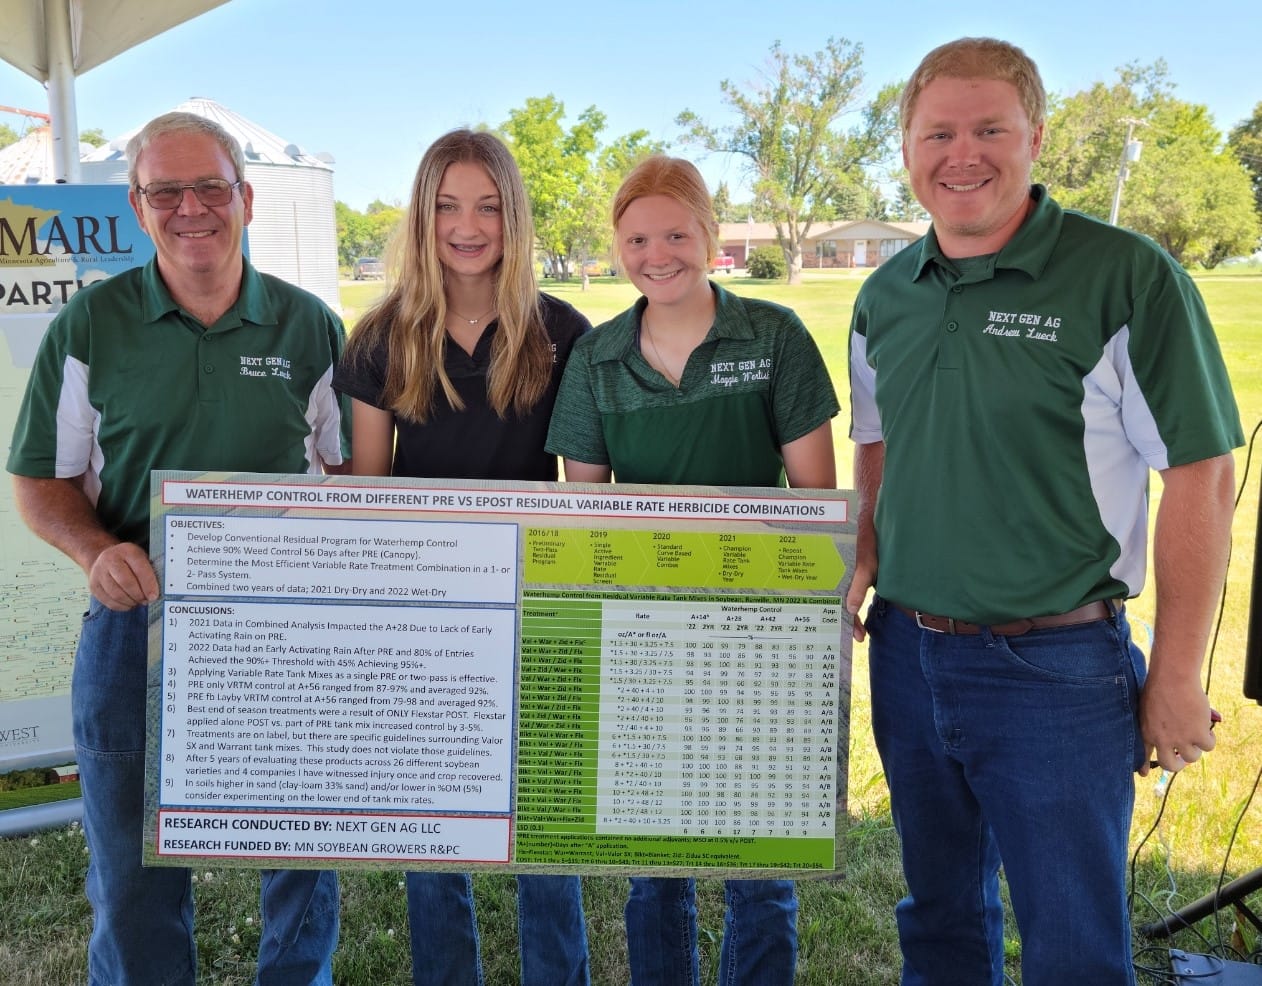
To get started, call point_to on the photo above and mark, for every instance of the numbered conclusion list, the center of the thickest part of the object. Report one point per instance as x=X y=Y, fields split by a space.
x=284 y=703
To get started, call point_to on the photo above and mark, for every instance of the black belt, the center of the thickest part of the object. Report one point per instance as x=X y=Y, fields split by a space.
x=1088 y=613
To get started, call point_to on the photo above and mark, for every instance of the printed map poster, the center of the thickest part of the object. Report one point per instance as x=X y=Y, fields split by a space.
x=54 y=239
x=356 y=672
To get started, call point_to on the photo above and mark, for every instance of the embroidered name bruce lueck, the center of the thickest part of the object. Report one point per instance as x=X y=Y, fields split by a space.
x=1025 y=325
x=265 y=366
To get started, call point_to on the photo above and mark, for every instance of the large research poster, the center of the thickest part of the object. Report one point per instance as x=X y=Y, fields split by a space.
x=54 y=239
x=526 y=676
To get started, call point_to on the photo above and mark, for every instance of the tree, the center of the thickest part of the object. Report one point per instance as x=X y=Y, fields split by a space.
x=857 y=197
x=724 y=210
x=593 y=224
x=766 y=263
x=383 y=220
x=1082 y=142
x=95 y=136
x=364 y=234
x=906 y=208
x=785 y=130
x=586 y=229
x=1245 y=141
x=739 y=212
x=1196 y=204
x=352 y=234
x=571 y=177
x=1187 y=192
x=555 y=167
x=619 y=156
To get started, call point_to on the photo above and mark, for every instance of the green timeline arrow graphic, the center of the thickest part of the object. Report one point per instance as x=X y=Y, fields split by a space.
x=579 y=556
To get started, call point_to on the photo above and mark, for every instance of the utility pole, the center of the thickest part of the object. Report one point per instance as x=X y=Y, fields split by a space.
x=1130 y=154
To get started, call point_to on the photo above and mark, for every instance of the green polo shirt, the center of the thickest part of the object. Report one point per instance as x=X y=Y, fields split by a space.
x=1023 y=399
x=126 y=382
x=754 y=384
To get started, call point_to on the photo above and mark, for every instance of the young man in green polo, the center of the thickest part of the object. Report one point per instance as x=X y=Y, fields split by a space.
x=1015 y=376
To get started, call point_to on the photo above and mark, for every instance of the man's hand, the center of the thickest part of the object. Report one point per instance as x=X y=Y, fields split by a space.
x=122 y=578
x=119 y=574
x=869 y=466
x=1190 y=547
x=1176 y=721
x=860 y=582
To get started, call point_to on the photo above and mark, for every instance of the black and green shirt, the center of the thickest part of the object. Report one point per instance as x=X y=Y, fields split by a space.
x=754 y=384
x=1022 y=399
x=474 y=442
x=126 y=382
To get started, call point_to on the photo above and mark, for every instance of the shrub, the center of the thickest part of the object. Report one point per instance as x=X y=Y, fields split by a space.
x=767 y=263
x=16 y=780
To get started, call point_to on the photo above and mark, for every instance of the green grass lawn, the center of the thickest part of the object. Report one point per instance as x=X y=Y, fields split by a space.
x=24 y=797
x=846 y=927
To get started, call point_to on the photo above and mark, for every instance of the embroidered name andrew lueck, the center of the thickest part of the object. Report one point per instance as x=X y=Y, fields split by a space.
x=1025 y=325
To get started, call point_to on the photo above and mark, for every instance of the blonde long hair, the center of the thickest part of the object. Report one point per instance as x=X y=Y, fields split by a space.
x=410 y=319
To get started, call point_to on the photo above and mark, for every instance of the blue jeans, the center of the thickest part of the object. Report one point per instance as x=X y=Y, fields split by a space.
x=142 y=932
x=1017 y=751
x=444 y=930
x=760 y=941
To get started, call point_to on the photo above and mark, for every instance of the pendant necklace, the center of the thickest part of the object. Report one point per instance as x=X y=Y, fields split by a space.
x=471 y=321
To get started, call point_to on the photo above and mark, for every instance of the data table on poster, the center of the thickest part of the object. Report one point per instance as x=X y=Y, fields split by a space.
x=461 y=688
x=679 y=716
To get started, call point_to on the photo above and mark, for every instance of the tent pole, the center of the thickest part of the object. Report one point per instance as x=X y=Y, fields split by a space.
x=61 y=95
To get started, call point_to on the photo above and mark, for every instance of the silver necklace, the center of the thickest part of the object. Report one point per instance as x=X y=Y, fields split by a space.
x=471 y=321
x=674 y=380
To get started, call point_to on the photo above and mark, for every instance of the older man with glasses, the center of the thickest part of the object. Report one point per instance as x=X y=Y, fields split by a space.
x=195 y=361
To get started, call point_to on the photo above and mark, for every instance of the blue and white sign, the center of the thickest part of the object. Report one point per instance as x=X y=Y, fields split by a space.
x=54 y=239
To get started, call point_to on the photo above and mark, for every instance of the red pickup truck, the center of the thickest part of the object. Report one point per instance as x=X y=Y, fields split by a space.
x=722 y=263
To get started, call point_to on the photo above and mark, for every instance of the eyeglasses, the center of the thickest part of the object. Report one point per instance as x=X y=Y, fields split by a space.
x=169 y=194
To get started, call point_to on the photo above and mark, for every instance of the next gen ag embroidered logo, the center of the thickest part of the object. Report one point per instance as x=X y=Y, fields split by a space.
x=1023 y=325
x=265 y=366
x=729 y=373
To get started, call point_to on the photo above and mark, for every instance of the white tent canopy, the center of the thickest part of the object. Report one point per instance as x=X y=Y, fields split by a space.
x=53 y=41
